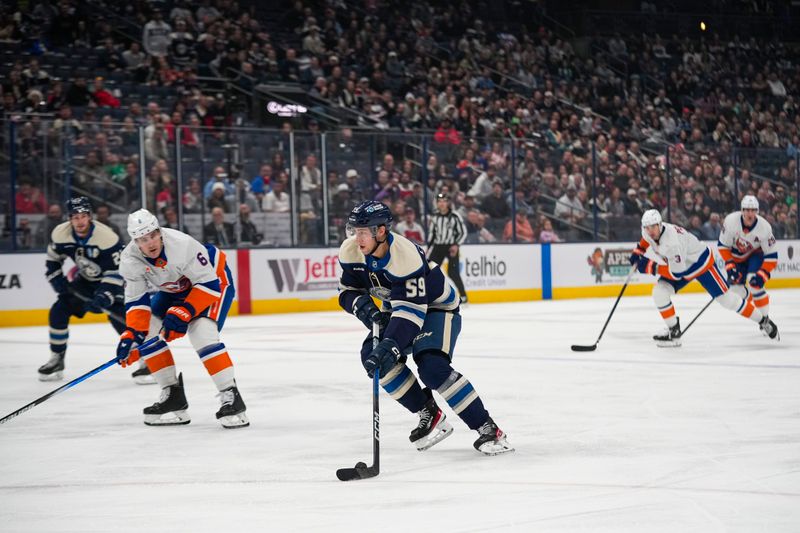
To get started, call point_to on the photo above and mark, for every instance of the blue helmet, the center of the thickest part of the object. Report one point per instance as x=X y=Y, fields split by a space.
x=80 y=204
x=369 y=214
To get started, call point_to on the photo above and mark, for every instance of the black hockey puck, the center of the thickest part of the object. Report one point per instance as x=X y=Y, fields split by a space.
x=361 y=465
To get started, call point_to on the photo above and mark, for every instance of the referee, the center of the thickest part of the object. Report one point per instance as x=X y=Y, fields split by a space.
x=446 y=233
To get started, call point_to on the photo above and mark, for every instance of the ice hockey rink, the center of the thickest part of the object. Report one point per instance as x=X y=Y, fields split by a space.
x=630 y=437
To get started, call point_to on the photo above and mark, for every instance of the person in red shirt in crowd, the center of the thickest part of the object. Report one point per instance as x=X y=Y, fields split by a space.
x=188 y=137
x=30 y=200
x=410 y=228
x=102 y=97
x=446 y=133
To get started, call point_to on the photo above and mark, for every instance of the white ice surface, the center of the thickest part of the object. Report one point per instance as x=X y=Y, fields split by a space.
x=628 y=438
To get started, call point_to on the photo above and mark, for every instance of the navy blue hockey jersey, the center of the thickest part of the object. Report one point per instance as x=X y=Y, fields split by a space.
x=404 y=280
x=96 y=256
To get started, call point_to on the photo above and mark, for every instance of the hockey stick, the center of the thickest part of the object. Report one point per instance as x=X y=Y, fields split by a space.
x=112 y=314
x=59 y=390
x=361 y=470
x=593 y=347
x=696 y=317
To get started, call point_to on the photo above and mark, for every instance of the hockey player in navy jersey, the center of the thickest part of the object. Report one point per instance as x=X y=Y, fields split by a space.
x=420 y=318
x=95 y=249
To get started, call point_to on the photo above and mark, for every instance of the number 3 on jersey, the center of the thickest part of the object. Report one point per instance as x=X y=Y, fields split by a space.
x=415 y=288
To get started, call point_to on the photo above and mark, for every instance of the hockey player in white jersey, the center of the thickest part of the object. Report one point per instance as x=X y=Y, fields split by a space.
x=685 y=258
x=194 y=290
x=749 y=249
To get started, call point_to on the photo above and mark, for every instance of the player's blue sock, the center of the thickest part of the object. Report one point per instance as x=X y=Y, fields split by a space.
x=462 y=397
x=58 y=340
x=436 y=373
x=402 y=385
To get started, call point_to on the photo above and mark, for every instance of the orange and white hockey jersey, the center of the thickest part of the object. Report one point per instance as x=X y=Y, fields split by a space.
x=683 y=255
x=738 y=242
x=185 y=268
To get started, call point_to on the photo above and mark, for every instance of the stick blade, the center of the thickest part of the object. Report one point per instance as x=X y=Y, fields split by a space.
x=581 y=348
x=359 y=472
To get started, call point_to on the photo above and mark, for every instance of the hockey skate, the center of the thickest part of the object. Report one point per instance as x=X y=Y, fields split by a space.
x=671 y=337
x=492 y=440
x=142 y=375
x=52 y=370
x=231 y=413
x=766 y=325
x=171 y=407
x=433 y=426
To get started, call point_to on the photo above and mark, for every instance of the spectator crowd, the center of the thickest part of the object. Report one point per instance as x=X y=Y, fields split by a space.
x=533 y=141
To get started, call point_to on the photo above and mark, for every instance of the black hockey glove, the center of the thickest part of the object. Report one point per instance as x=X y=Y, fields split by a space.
x=382 y=358
x=102 y=299
x=383 y=321
x=366 y=310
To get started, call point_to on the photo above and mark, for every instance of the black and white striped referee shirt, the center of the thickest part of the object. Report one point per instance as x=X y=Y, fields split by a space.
x=446 y=229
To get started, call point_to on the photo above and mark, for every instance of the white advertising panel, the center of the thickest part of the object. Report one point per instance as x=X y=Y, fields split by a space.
x=788 y=260
x=311 y=273
x=493 y=267
x=23 y=284
x=591 y=264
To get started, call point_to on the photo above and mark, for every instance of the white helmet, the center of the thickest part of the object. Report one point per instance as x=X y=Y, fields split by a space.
x=651 y=217
x=750 y=202
x=141 y=222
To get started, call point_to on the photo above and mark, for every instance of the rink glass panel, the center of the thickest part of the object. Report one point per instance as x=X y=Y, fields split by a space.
x=125 y=166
